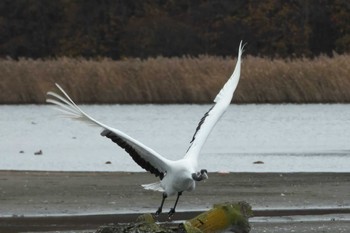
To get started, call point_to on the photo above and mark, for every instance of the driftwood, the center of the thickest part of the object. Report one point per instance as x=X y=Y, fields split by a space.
x=228 y=216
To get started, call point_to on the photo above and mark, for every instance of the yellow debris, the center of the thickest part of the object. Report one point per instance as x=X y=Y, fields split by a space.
x=220 y=218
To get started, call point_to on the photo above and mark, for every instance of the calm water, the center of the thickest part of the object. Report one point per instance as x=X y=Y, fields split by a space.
x=286 y=138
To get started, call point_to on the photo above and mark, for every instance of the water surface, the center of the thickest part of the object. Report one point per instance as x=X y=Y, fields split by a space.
x=285 y=138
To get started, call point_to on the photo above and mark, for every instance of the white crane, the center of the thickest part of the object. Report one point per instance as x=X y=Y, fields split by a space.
x=175 y=176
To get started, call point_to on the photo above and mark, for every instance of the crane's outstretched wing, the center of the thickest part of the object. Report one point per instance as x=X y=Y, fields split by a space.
x=145 y=157
x=222 y=101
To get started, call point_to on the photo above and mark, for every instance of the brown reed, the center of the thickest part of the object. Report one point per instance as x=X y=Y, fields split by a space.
x=177 y=80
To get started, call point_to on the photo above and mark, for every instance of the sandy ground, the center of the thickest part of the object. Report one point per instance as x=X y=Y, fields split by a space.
x=104 y=196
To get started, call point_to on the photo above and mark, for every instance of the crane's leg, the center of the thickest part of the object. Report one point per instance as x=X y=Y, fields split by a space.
x=159 y=211
x=172 y=210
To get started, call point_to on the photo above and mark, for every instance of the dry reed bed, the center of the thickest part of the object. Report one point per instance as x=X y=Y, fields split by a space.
x=177 y=80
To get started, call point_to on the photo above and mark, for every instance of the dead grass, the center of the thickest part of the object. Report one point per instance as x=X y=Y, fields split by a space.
x=177 y=80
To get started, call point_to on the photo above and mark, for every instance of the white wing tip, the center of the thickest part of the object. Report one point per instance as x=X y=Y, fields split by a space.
x=241 y=48
x=237 y=69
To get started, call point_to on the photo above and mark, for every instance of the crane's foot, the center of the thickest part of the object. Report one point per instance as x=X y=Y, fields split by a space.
x=158 y=212
x=171 y=212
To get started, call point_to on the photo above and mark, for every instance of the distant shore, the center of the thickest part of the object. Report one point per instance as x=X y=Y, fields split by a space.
x=177 y=80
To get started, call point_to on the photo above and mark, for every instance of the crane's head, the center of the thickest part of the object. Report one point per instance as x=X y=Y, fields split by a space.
x=201 y=175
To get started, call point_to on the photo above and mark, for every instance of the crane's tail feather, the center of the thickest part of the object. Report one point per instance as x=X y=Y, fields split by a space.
x=154 y=186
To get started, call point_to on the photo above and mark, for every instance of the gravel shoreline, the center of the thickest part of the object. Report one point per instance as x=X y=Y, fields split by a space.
x=25 y=194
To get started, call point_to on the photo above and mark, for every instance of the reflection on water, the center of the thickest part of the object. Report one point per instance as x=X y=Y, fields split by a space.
x=281 y=138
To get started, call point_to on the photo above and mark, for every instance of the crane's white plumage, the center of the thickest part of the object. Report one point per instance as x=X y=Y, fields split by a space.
x=176 y=176
x=222 y=101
